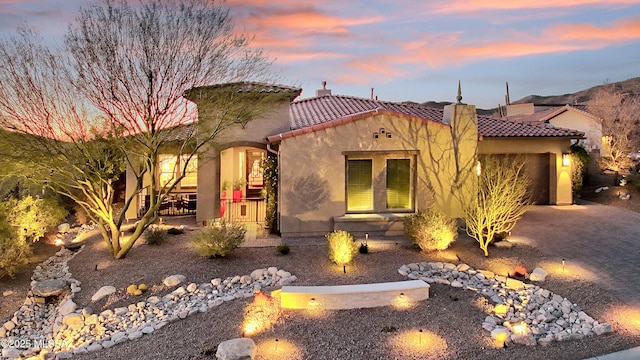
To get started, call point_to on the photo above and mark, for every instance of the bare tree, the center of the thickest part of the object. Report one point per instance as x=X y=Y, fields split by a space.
x=503 y=197
x=620 y=114
x=124 y=70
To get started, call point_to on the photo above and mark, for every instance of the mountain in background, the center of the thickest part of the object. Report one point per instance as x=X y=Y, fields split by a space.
x=631 y=86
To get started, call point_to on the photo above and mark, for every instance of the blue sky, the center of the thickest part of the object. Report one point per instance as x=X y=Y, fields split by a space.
x=418 y=50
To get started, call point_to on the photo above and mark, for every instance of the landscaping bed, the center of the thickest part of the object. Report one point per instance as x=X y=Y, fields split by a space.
x=451 y=320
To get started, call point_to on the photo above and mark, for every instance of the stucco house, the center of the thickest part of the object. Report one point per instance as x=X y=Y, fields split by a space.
x=575 y=117
x=361 y=164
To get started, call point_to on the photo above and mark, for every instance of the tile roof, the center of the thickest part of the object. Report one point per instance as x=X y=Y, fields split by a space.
x=489 y=127
x=317 y=110
x=548 y=114
x=317 y=113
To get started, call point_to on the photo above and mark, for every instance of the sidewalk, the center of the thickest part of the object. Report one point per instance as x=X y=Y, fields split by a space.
x=630 y=354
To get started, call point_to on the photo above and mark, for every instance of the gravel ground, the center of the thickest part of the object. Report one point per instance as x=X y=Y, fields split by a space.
x=450 y=320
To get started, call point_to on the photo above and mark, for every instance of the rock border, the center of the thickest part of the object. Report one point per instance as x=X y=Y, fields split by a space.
x=548 y=317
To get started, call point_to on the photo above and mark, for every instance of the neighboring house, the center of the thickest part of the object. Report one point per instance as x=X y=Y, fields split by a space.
x=362 y=165
x=562 y=116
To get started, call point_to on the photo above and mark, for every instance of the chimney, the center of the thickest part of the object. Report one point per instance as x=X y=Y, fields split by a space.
x=324 y=91
x=371 y=93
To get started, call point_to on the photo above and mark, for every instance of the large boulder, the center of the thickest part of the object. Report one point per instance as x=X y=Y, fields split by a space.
x=236 y=349
x=51 y=287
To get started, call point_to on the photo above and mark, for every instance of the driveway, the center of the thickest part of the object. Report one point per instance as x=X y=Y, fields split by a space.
x=602 y=242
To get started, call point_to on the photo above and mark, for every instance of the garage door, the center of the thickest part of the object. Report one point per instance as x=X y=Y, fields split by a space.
x=537 y=169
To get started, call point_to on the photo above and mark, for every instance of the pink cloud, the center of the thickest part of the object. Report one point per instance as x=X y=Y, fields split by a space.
x=469 y=6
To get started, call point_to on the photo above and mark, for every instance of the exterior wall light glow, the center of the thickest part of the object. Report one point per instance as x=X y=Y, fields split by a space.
x=566 y=159
x=478 y=168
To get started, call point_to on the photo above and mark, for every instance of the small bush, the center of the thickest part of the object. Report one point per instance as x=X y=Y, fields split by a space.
x=14 y=250
x=219 y=240
x=154 y=235
x=342 y=247
x=363 y=249
x=430 y=230
x=283 y=248
x=33 y=217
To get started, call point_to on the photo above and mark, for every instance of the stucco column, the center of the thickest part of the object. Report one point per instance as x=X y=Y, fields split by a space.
x=208 y=202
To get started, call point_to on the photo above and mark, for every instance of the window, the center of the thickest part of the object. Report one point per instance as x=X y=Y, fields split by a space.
x=169 y=170
x=398 y=184
x=380 y=181
x=359 y=185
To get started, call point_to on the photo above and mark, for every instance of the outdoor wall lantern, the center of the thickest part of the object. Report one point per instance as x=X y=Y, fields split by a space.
x=566 y=159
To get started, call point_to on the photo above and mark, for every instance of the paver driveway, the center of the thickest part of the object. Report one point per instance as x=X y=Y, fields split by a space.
x=602 y=240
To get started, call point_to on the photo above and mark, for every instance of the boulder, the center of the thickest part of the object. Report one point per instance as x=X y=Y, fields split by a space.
x=51 y=287
x=236 y=349
x=174 y=280
x=538 y=274
x=67 y=307
x=102 y=292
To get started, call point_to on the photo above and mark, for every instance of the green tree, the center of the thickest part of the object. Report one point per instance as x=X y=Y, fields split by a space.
x=503 y=197
x=112 y=98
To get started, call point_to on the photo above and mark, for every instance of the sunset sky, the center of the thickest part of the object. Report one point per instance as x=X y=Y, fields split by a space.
x=417 y=50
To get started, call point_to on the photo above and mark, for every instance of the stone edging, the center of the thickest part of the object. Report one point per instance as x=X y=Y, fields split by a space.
x=548 y=316
x=44 y=327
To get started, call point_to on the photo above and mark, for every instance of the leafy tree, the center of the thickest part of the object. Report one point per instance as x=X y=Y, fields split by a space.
x=112 y=98
x=503 y=197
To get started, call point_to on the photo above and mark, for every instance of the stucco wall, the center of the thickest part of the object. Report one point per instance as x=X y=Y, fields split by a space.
x=312 y=166
x=273 y=121
x=559 y=176
x=576 y=121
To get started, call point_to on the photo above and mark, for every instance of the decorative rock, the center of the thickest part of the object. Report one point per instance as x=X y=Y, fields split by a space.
x=192 y=287
x=174 y=280
x=236 y=349
x=67 y=307
x=7 y=293
x=51 y=287
x=514 y=284
x=603 y=328
x=73 y=321
x=257 y=274
x=64 y=228
x=102 y=292
x=9 y=325
x=528 y=340
x=538 y=274
x=94 y=347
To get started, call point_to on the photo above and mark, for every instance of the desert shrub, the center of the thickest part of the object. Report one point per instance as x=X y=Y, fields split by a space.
x=32 y=217
x=342 y=247
x=219 y=239
x=363 y=248
x=283 y=248
x=430 y=229
x=14 y=250
x=579 y=161
x=154 y=235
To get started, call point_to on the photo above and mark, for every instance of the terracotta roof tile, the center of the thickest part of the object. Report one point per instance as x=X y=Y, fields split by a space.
x=326 y=111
